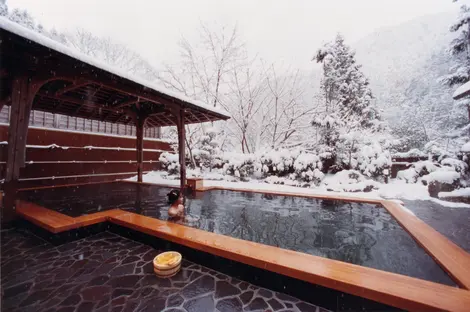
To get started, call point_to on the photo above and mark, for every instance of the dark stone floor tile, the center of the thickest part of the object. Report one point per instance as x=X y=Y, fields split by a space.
x=15 y=290
x=154 y=304
x=247 y=296
x=121 y=292
x=257 y=304
x=35 y=297
x=200 y=286
x=275 y=305
x=229 y=305
x=85 y=307
x=126 y=281
x=99 y=280
x=243 y=286
x=107 y=272
x=95 y=293
x=225 y=289
x=205 y=303
x=265 y=293
x=123 y=270
x=174 y=301
x=72 y=300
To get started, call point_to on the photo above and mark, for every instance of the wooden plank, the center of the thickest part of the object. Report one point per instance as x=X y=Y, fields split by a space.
x=41 y=136
x=451 y=257
x=98 y=217
x=37 y=170
x=389 y=288
x=59 y=154
x=50 y=220
x=63 y=185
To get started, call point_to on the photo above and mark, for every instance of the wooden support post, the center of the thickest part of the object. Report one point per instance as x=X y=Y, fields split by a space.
x=140 y=123
x=181 y=148
x=21 y=101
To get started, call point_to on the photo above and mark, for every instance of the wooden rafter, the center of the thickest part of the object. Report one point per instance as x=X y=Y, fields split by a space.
x=126 y=103
x=75 y=85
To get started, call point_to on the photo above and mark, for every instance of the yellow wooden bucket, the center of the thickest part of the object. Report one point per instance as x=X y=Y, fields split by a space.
x=167 y=264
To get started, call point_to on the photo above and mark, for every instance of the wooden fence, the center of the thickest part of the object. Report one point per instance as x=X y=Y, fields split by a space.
x=55 y=157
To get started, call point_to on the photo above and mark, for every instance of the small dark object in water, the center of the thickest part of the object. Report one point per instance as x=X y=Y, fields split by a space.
x=173 y=196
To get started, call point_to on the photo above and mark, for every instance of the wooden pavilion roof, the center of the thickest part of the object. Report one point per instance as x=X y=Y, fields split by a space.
x=76 y=85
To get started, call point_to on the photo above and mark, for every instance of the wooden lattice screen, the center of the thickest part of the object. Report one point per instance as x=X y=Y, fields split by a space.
x=48 y=120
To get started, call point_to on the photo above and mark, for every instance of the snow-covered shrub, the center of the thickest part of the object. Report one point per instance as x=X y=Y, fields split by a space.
x=284 y=181
x=207 y=149
x=442 y=176
x=372 y=160
x=349 y=181
x=307 y=168
x=413 y=153
x=455 y=164
x=239 y=165
x=416 y=171
x=278 y=162
x=294 y=165
x=442 y=181
x=170 y=162
x=369 y=156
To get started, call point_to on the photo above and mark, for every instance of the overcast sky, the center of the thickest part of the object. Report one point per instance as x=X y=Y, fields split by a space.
x=288 y=31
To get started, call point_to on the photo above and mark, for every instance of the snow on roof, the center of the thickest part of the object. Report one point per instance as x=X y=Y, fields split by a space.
x=59 y=47
x=463 y=90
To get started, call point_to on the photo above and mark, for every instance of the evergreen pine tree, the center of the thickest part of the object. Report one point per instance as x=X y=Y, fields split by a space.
x=347 y=98
x=460 y=49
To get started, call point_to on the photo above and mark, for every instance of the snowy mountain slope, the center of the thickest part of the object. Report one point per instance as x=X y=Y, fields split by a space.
x=404 y=64
x=393 y=56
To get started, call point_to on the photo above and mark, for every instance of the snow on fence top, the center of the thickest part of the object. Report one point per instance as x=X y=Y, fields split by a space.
x=462 y=91
x=59 y=47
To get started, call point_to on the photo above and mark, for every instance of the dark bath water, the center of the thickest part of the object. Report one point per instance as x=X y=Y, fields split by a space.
x=361 y=234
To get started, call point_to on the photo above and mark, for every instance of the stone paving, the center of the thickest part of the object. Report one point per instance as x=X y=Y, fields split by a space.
x=107 y=272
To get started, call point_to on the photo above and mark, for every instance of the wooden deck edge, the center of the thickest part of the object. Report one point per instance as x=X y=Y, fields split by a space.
x=389 y=288
x=453 y=259
x=50 y=220
x=57 y=222
x=273 y=192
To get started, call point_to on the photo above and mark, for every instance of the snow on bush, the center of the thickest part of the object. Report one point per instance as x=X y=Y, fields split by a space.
x=410 y=154
x=455 y=164
x=278 y=162
x=349 y=181
x=373 y=160
x=170 y=162
x=463 y=192
x=442 y=176
x=368 y=156
x=417 y=170
x=239 y=165
x=466 y=148
x=208 y=148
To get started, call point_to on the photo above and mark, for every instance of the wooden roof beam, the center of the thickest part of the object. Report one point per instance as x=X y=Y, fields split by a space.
x=75 y=85
x=126 y=103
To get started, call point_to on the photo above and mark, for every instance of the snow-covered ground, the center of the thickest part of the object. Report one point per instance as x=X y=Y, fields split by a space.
x=396 y=189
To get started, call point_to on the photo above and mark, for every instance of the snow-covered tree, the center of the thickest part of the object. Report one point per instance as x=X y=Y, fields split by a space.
x=460 y=49
x=347 y=97
x=208 y=147
x=287 y=113
x=3 y=8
